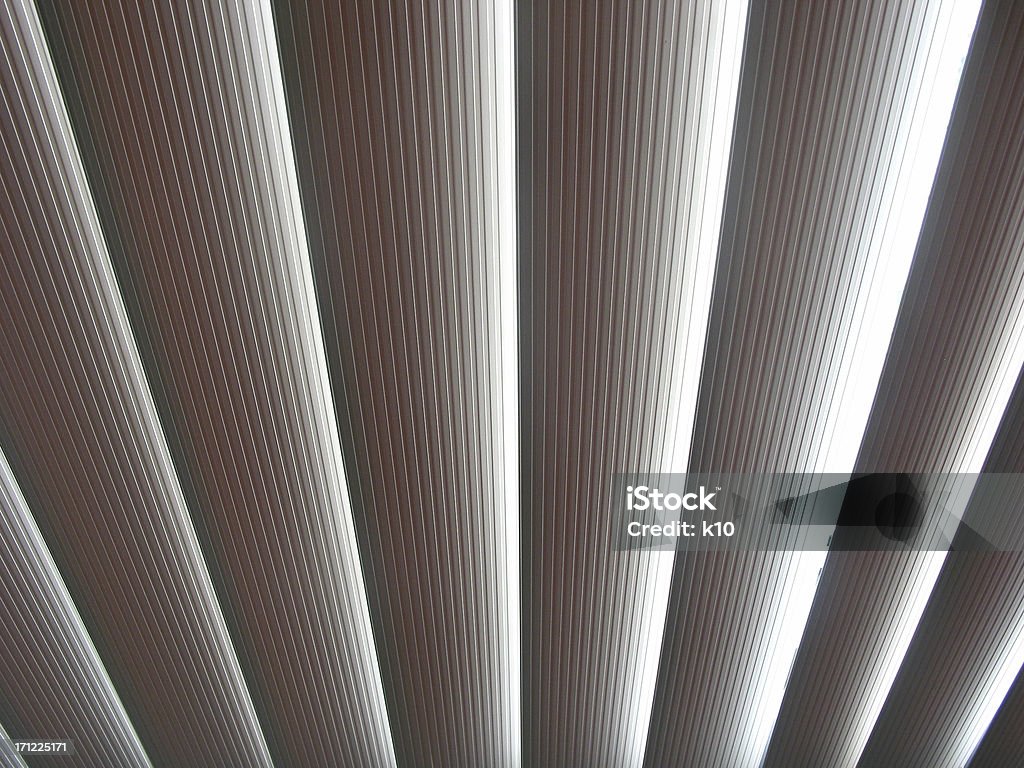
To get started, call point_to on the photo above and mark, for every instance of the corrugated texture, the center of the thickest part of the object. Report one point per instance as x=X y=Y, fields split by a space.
x=400 y=135
x=54 y=684
x=953 y=359
x=614 y=138
x=950 y=680
x=82 y=436
x=1004 y=741
x=189 y=154
x=8 y=757
x=325 y=326
x=830 y=93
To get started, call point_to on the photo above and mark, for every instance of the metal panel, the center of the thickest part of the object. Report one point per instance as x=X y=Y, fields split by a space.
x=831 y=103
x=81 y=434
x=403 y=136
x=55 y=686
x=1004 y=741
x=968 y=645
x=953 y=360
x=621 y=106
x=180 y=114
x=324 y=327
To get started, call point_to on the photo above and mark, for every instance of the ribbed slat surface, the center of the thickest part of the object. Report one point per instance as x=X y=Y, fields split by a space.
x=54 y=684
x=8 y=757
x=403 y=123
x=953 y=359
x=325 y=326
x=1003 y=743
x=830 y=93
x=190 y=157
x=618 y=218
x=951 y=679
x=82 y=437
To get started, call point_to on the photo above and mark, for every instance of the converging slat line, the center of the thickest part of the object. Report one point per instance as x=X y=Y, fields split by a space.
x=9 y=758
x=829 y=179
x=227 y=306
x=404 y=172
x=612 y=223
x=115 y=461
x=969 y=644
x=326 y=325
x=63 y=690
x=947 y=379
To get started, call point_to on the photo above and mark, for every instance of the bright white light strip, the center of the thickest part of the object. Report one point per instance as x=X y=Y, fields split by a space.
x=508 y=343
x=926 y=569
x=929 y=564
x=893 y=243
x=891 y=247
x=1007 y=669
x=8 y=757
x=698 y=254
x=1012 y=660
x=801 y=581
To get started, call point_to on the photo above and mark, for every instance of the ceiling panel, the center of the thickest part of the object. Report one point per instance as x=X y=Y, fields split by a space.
x=326 y=328
x=179 y=112
x=1003 y=742
x=828 y=179
x=402 y=116
x=969 y=644
x=954 y=357
x=83 y=439
x=623 y=109
x=54 y=683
